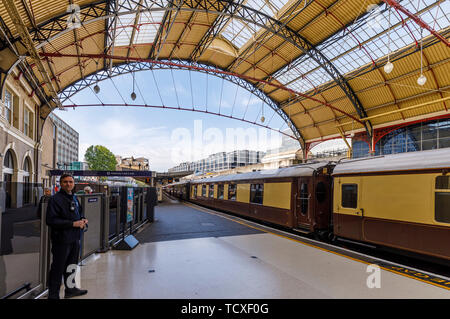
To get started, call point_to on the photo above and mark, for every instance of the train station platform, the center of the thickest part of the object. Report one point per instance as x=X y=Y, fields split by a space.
x=193 y=252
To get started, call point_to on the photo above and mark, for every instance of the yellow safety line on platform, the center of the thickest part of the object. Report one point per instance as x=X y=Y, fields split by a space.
x=206 y=210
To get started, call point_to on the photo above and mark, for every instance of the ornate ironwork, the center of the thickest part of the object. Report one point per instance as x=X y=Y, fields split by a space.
x=95 y=11
x=125 y=68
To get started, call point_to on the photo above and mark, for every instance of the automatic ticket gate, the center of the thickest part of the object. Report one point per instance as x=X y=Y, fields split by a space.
x=92 y=239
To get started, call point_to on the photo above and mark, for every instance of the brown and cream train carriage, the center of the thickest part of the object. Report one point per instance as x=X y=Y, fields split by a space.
x=400 y=201
x=296 y=197
x=179 y=190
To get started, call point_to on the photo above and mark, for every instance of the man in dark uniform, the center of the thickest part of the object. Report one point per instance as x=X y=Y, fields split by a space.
x=66 y=221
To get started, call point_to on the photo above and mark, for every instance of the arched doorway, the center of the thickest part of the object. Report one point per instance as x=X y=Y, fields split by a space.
x=27 y=186
x=8 y=172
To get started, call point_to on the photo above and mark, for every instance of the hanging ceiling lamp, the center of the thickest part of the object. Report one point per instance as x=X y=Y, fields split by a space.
x=422 y=78
x=133 y=95
x=96 y=87
x=388 y=67
x=262 y=113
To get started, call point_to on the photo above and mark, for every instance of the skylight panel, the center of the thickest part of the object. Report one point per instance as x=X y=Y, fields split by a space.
x=124 y=29
x=364 y=42
x=240 y=32
x=146 y=28
x=304 y=76
x=149 y=23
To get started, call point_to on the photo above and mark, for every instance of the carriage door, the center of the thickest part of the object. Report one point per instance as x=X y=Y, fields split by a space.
x=303 y=202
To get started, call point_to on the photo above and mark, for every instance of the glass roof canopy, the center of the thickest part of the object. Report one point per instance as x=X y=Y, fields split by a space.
x=363 y=42
x=372 y=32
x=146 y=27
x=239 y=32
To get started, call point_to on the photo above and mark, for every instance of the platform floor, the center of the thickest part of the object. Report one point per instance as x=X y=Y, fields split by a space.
x=189 y=253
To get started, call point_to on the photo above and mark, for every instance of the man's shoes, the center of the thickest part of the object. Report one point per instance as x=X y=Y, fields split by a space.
x=53 y=296
x=74 y=292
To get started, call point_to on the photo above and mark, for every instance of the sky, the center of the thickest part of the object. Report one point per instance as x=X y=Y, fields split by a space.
x=169 y=137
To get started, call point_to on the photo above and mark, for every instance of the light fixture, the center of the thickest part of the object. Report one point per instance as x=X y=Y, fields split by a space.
x=133 y=95
x=389 y=66
x=262 y=112
x=96 y=87
x=422 y=80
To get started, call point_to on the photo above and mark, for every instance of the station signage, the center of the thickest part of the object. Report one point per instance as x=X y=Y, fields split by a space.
x=58 y=172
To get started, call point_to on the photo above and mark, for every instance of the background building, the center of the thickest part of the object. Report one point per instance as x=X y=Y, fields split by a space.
x=49 y=147
x=67 y=141
x=131 y=163
x=20 y=146
x=220 y=161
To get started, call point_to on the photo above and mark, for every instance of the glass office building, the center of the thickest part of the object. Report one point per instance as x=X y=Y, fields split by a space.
x=67 y=143
x=416 y=137
x=220 y=161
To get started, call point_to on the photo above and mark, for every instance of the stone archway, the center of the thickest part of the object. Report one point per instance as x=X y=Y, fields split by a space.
x=8 y=194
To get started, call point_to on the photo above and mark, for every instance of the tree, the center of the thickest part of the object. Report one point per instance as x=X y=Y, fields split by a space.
x=100 y=158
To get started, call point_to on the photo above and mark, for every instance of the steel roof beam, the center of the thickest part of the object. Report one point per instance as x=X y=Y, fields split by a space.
x=245 y=14
x=157 y=40
x=133 y=31
x=394 y=4
x=10 y=53
x=33 y=23
x=244 y=54
x=221 y=21
x=185 y=30
x=110 y=25
x=360 y=21
x=125 y=68
x=367 y=69
x=16 y=19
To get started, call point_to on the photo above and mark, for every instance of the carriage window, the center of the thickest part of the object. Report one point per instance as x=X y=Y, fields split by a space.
x=220 y=191
x=232 y=191
x=349 y=195
x=442 y=199
x=321 y=192
x=443 y=182
x=211 y=191
x=304 y=199
x=195 y=190
x=204 y=190
x=256 y=193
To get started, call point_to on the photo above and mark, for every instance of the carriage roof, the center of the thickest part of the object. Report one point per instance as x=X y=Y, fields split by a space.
x=432 y=159
x=293 y=171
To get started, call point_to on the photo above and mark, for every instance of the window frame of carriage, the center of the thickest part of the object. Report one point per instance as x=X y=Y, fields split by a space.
x=441 y=188
x=211 y=191
x=253 y=190
x=204 y=194
x=220 y=191
x=355 y=194
x=230 y=187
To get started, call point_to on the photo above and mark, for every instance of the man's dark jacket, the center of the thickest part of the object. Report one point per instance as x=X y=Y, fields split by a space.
x=60 y=218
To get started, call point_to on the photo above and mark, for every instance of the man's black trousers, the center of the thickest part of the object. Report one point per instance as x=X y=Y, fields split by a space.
x=63 y=256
